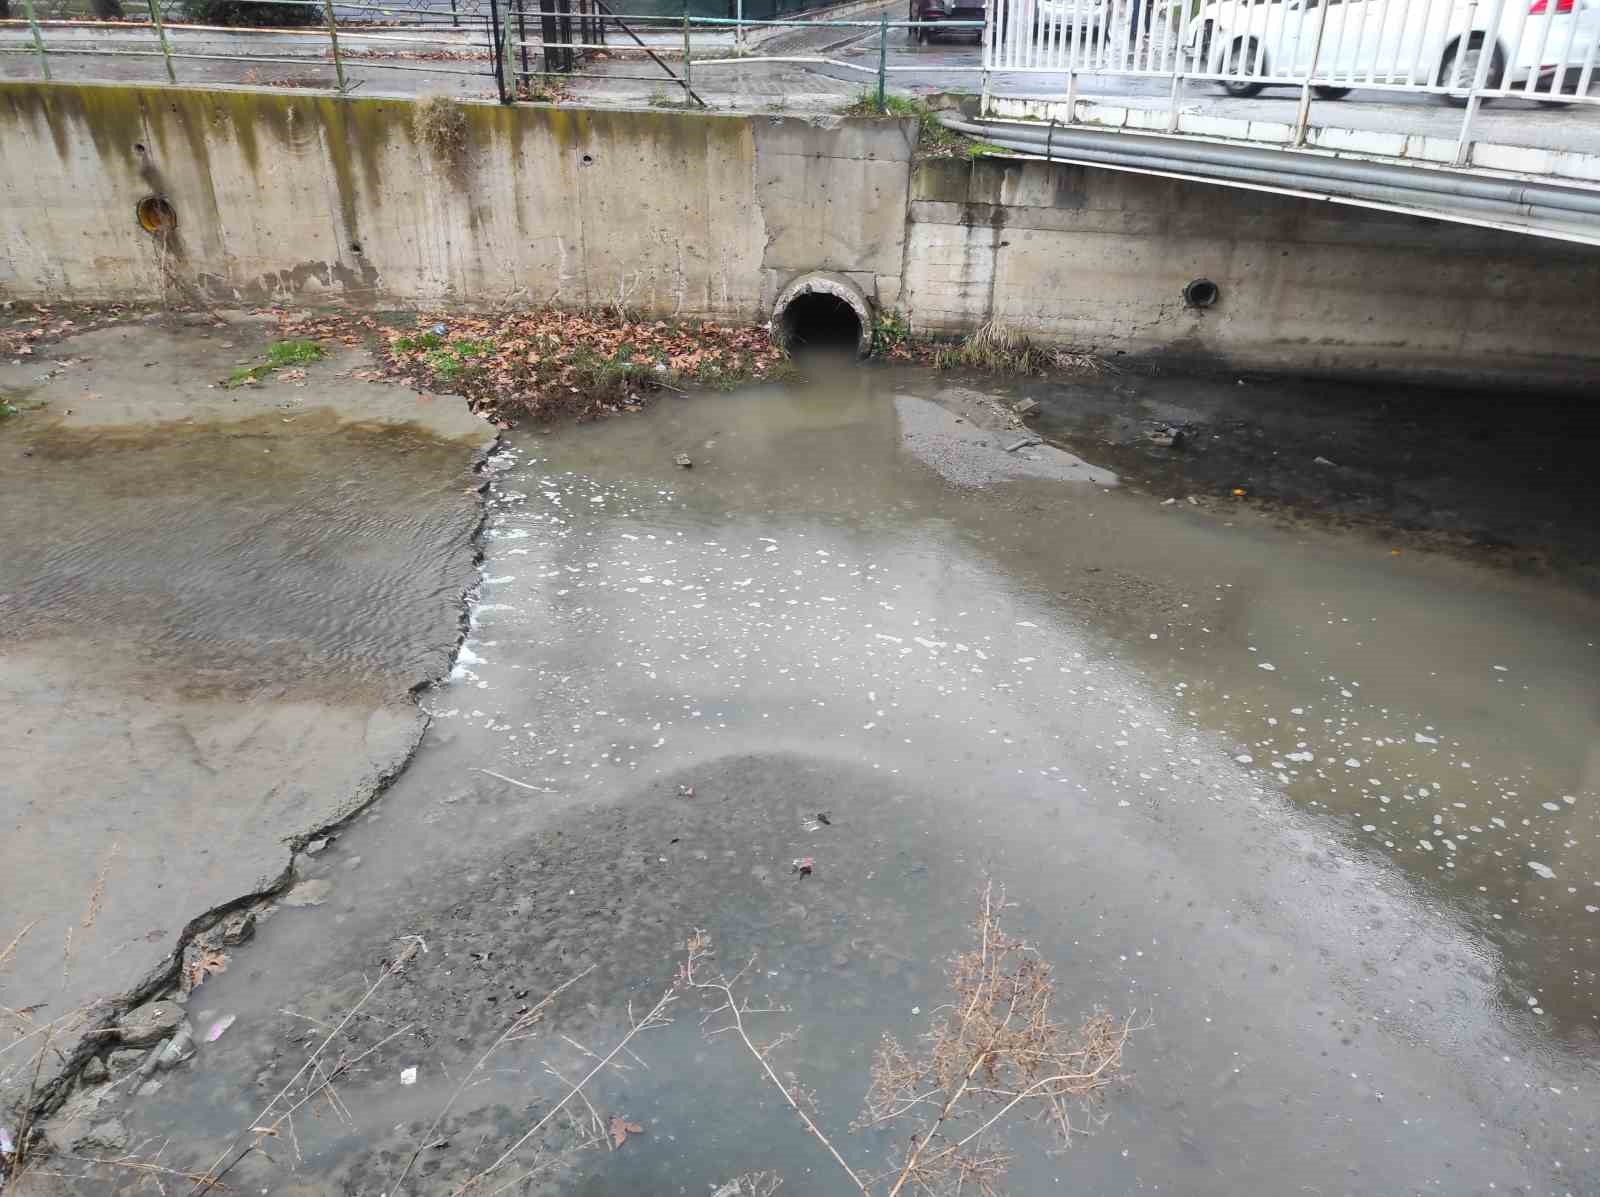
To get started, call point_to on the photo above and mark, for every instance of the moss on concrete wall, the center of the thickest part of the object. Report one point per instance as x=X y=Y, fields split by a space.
x=284 y=195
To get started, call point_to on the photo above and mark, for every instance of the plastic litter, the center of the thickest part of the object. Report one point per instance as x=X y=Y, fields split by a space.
x=408 y=1076
x=218 y=1028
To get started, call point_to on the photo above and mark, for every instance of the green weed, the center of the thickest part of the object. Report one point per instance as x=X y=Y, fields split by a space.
x=451 y=358
x=293 y=353
x=279 y=355
x=933 y=139
x=889 y=332
x=245 y=375
x=427 y=340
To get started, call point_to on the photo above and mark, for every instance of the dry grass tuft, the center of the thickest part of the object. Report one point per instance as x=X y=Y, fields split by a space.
x=998 y=348
x=441 y=125
x=993 y=1053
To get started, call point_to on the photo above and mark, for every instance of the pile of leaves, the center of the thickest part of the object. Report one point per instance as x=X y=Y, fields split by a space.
x=549 y=363
x=25 y=326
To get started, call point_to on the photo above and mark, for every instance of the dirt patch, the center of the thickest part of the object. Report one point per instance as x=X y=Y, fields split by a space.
x=614 y=889
x=1416 y=468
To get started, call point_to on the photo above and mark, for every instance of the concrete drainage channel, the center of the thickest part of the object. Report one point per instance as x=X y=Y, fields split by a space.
x=823 y=311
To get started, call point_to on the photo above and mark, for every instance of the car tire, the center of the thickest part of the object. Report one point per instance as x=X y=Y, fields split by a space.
x=1234 y=88
x=1464 y=64
x=1331 y=93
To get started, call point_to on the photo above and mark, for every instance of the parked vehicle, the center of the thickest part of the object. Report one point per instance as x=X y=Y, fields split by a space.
x=1073 y=18
x=1431 y=42
x=946 y=10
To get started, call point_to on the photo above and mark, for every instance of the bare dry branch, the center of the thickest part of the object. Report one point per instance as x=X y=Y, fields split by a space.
x=997 y=1048
x=698 y=950
x=657 y=1017
x=413 y=945
x=519 y=1027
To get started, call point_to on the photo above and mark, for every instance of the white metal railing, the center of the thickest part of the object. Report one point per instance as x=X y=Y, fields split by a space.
x=1464 y=51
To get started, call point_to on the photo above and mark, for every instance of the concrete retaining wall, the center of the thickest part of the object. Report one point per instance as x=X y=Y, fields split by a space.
x=314 y=199
x=1099 y=259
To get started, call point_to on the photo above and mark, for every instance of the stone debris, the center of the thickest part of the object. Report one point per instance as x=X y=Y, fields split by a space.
x=1166 y=436
x=126 y=1059
x=238 y=928
x=109 y=1135
x=95 y=1072
x=150 y=1023
x=1026 y=407
x=308 y=893
x=1026 y=442
x=683 y=460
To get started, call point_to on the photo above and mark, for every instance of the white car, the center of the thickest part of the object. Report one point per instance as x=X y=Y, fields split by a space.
x=1437 y=43
x=1072 y=18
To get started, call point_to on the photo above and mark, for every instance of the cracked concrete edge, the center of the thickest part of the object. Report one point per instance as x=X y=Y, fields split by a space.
x=163 y=978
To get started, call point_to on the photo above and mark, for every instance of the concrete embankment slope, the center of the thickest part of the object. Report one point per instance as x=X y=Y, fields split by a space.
x=284 y=196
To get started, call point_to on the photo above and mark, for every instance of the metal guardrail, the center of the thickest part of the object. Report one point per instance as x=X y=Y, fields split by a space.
x=469 y=37
x=1463 y=51
x=519 y=41
x=599 y=15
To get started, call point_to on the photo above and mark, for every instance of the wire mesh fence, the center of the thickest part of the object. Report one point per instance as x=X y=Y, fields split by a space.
x=273 y=35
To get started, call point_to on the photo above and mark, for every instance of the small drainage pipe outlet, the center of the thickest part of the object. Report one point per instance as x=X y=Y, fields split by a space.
x=1201 y=293
x=825 y=311
x=156 y=216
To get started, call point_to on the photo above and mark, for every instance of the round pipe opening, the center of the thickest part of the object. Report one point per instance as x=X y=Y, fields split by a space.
x=819 y=321
x=823 y=313
x=156 y=216
x=1201 y=293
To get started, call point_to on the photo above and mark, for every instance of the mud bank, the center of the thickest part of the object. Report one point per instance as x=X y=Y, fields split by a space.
x=1491 y=477
x=216 y=608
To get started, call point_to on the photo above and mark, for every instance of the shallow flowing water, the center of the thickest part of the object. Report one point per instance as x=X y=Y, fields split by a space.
x=1319 y=818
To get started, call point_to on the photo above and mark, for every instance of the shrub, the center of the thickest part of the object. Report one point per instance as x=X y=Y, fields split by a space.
x=246 y=12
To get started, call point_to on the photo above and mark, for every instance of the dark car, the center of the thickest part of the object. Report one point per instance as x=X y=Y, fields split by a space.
x=946 y=10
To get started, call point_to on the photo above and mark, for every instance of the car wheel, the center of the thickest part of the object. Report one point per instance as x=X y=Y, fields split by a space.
x=1331 y=93
x=1460 y=68
x=1242 y=61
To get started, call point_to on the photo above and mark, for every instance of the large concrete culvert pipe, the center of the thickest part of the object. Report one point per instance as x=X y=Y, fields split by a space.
x=822 y=310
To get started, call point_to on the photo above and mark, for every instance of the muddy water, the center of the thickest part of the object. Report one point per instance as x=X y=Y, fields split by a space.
x=208 y=635
x=1322 y=817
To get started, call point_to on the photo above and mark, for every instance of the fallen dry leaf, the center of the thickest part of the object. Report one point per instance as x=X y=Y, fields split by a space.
x=206 y=964
x=621 y=1128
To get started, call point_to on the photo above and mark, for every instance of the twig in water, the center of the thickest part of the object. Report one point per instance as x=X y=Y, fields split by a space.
x=518 y=1027
x=515 y=782
x=414 y=944
x=657 y=1017
x=699 y=948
